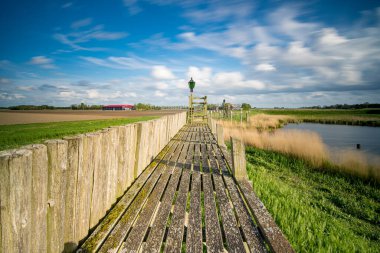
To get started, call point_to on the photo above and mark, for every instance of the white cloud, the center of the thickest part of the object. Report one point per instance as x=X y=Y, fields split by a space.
x=81 y=23
x=162 y=85
x=162 y=72
x=76 y=38
x=330 y=37
x=265 y=67
x=284 y=21
x=236 y=80
x=10 y=96
x=159 y=94
x=121 y=62
x=202 y=76
x=43 y=62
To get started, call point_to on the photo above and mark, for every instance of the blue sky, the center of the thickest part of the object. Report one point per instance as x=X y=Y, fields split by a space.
x=267 y=53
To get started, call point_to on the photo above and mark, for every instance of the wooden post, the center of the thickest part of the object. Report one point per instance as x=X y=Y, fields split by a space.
x=219 y=135
x=57 y=165
x=15 y=196
x=99 y=181
x=39 y=197
x=238 y=159
x=241 y=116
x=74 y=160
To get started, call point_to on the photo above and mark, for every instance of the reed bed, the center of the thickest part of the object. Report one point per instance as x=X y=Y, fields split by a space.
x=303 y=144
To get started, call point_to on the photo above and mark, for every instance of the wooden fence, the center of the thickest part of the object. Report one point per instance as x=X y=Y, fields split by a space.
x=52 y=194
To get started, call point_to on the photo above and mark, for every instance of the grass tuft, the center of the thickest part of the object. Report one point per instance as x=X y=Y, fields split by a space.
x=319 y=210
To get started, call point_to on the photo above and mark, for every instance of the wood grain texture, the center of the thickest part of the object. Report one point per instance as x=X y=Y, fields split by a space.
x=39 y=197
x=57 y=168
x=74 y=160
x=176 y=229
x=194 y=231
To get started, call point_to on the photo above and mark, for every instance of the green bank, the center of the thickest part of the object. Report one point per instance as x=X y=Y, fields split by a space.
x=14 y=136
x=318 y=210
x=363 y=117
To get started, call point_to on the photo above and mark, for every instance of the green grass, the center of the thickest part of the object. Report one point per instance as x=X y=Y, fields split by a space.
x=13 y=136
x=366 y=117
x=318 y=210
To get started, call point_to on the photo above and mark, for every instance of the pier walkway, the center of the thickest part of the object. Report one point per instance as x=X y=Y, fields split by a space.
x=186 y=200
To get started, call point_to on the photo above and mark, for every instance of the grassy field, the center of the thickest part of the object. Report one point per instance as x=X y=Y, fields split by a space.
x=13 y=136
x=318 y=210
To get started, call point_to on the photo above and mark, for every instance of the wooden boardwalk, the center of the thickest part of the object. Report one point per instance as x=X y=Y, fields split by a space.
x=185 y=200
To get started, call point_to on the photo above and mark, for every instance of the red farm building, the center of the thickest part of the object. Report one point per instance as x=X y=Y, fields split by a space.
x=118 y=107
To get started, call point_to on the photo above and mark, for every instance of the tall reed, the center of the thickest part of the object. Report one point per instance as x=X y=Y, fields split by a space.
x=307 y=145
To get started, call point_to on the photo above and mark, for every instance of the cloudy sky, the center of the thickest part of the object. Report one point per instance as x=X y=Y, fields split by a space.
x=267 y=53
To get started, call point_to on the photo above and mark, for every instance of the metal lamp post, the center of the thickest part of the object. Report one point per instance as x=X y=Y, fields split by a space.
x=191 y=84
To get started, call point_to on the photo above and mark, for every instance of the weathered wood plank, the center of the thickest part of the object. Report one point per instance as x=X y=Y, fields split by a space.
x=250 y=231
x=104 y=228
x=175 y=235
x=136 y=236
x=197 y=157
x=194 y=231
x=230 y=226
x=15 y=195
x=271 y=232
x=74 y=160
x=38 y=197
x=84 y=188
x=57 y=165
x=118 y=234
x=156 y=235
x=99 y=181
x=214 y=241
x=189 y=156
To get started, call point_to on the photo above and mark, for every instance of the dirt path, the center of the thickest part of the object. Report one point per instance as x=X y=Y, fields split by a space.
x=27 y=117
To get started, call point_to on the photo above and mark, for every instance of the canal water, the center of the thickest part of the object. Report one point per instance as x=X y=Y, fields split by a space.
x=344 y=137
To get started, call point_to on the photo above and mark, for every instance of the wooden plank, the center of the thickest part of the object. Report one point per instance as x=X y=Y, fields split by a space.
x=84 y=189
x=194 y=231
x=39 y=197
x=204 y=158
x=104 y=228
x=197 y=157
x=130 y=152
x=230 y=226
x=15 y=195
x=156 y=235
x=271 y=232
x=74 y=160
x=251 y=233
x=112 y=172
x=214 y=241
x=97 y=209
x=176 y=229
x=118 y=234
x=57 y=165
x=136 y=236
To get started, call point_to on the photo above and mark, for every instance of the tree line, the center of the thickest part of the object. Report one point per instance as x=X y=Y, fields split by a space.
x=345 y=106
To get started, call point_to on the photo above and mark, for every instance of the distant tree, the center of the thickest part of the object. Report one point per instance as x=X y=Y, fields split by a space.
x=246 y=106
x=144 y=107
x=212 y=107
